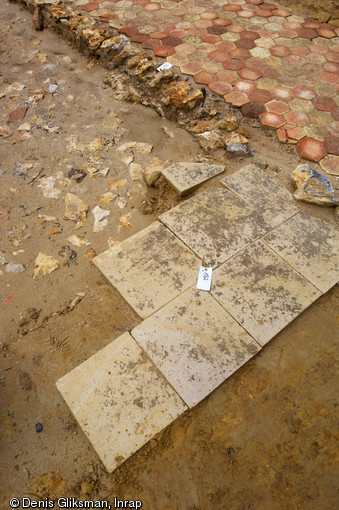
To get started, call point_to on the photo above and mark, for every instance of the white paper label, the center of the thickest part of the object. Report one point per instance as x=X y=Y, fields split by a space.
x=204 y=278
x=166 y=65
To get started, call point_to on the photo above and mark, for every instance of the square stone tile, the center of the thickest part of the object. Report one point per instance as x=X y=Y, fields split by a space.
x=216 y=224
x=150 y=268
x=263 y=193
x=195 y=343
x=185 y=177
x=261 y=291
x=120 y=400
x=311 y=246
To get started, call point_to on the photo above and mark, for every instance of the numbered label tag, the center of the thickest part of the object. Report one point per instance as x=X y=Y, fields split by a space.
x=166 y=65
x=204 y=278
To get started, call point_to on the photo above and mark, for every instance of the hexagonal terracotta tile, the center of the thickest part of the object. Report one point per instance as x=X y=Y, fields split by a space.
x=304 y=92
x=247 y=44
x=295 y=60
x=250 y=35
x=330 y=164
x=244 y=86
x=325 y=104
x=233 y=64
x=218 y=56
x=296 y=133
x=277 y=107
x=220 y=87
x=163 y=51
x=273 y=120
x=280 y=51
x=296 y=118
x=312 y=149
x=250 y=74
x=260 y=96
x=332 y=145
x=326 y=32
x=240 y=53
x=280 y=93
x=203 y=77
x=191 y=68
x=236 y=98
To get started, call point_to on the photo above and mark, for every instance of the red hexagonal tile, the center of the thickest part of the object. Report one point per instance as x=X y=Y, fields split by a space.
x=90 y=7
x=236 y=98
x=282 y=135
x=178 y=33
x=295 y=133
x=250 y=35
x=332 y=56
x=307 y=33
x=128 y=30
x=296 y=118
x=304 y=92
x=319 y=49
x=221 y=22
x=227 y=75
x=324 y=104
x=250 y=74
x=264 y=13
x=210 y=38
x=203 y=77
x=237 y=29
x=316 y=59
x=280 y=51
x=312 y=149
x=277 y=106
x=164 y=51
x=331 y=67
x=259 y=96
x=217 y=30
x=152 y=7
x=330 y=78
x=289 y=34
x=159 y=35
x=254 y=2
x=332 y=145
x=225 y=46
x=311 y=23
x=295 y=60
x=220 y=87
x=150 y=44
x=191 y=68
x=197 y=31
x=326 y=32
x=269 y=6
x=244 y=86
x=218 y=56
x=232 y=7
x=139 y=38
x=233 y=64
x=335 y=114
x=245 y=43
x=245 y=14
x=283 y=94
x=292 y=25
x=172 y=41
x=240 y=53
x=203 y=23
x=283 y=13
x=252 y=110
x=300 y=51
x=273 y=120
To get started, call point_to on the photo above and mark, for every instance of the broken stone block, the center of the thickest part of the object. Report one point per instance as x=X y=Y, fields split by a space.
x=210 y=141
x=228 y=123
x=126 y=52
x=185 y=177
x=95 y=36
x=161 y=76
x=134 y=61
x=76 y=210
x=181 y=95
x=313 y=187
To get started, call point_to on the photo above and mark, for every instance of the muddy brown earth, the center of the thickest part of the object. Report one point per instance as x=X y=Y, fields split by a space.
x=265 y=439
x=325 y=11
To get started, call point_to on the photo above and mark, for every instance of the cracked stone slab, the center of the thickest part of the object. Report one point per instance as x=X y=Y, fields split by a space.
x=120 y=400
x=195 y=343
x=263 y=193
x=150 y=268
x=311 y=246
x=185 y=177
x=262 y=291
x=216 y=224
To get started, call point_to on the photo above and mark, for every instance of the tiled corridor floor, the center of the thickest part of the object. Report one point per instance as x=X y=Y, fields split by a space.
x=271 y=63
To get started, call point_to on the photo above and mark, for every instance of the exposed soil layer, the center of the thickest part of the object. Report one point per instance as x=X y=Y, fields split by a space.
x=325 y=11
x=265 y=439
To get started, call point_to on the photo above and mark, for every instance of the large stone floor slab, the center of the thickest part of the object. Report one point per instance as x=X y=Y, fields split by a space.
x=195 y=343
x=262 y=291
x=120 y=400
x=185 y=177
x=150 y=268
x=311 y=246
x=263 y=193
x=216 y=224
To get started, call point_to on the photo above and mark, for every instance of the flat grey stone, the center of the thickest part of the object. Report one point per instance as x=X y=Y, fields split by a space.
x=185 y=177
x=120 y=400
x=150 y=268
x=311 y=246
x=195 y=343
x=216 y=224
x=262 y=291
x=263 y=193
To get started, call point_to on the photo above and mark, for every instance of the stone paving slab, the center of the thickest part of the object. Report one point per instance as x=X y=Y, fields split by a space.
x=150 y=268
x=195 y=343
x=311 y=246
x=263 y=193
x=261 y=291
x=185 y=177
x=120 y=400
x=260 y=57
x=216 y=224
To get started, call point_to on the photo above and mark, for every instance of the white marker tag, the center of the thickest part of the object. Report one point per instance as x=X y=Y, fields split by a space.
x=166 y=65
x=204 y=278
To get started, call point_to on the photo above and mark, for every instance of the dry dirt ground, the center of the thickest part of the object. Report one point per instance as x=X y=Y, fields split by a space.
x=265 y=439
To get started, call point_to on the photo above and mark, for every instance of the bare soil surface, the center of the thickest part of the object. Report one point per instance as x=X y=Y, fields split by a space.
x=325 y=11
x=265 y=439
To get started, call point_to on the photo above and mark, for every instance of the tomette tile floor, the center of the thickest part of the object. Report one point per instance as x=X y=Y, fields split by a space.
x=257 y=55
